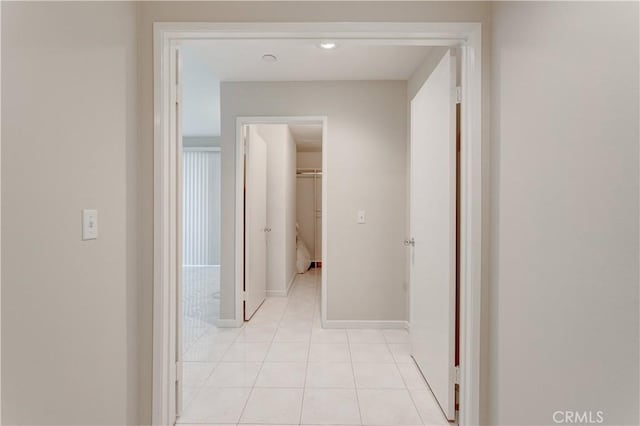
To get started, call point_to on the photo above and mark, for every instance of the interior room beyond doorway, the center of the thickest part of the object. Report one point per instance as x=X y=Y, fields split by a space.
x=309 y=189
x=379 y=108
x=282 y=207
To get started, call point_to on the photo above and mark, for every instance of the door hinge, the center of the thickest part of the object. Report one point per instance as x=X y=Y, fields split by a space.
x=244 y=295
x=456 y=369
x=458 y=94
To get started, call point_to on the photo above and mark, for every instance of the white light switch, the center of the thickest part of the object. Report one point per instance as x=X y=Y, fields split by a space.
x=361 y=216
x=89 y=224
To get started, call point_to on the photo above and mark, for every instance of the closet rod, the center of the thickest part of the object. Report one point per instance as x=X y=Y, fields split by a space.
x=308 y=173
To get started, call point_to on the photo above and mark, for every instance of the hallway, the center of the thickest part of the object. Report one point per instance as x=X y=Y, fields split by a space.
x=283 y=368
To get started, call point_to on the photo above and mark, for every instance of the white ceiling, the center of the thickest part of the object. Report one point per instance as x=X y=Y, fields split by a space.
x=303 y=60
x=208 y=62
x=308 y=137
x=200 y=97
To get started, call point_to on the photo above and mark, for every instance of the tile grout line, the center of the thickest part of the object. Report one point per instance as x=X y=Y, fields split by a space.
x=301 y=299
x=201 y=388
x=244 y=407
x=355 y=384
x=404 y=380
x=406 y=387
x=306 y=371
x=237 y=339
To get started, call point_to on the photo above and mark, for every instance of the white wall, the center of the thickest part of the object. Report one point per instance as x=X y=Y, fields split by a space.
x=281 y=201
x=309 y=160
x=69 y=307
x=290 y=225
x=563 y=302
x=366 y=170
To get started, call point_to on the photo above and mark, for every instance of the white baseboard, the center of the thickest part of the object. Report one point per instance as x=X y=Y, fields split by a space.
x=365 y=324
x=229 y=323
x=282 y=293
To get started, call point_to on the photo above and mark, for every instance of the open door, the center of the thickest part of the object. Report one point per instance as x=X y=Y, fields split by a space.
x=433 y=231
x=255 y=222
x=179 y=232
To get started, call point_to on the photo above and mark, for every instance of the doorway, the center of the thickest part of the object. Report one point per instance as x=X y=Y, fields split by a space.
x=467 y=35
x=201 y=242
x=283 y=215
x=309 y=193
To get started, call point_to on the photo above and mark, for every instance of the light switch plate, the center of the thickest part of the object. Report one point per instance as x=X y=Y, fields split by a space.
x=361 y=217
x=89 y=224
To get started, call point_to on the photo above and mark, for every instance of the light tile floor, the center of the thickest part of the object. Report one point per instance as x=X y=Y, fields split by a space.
x=201 y=302
x=282 y=368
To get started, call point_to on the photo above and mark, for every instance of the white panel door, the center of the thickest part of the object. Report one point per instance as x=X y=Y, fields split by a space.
x=255 y=225
x=432 y=224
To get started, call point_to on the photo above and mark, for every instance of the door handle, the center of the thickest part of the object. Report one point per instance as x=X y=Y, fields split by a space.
x=267 y=229
x=411 y=242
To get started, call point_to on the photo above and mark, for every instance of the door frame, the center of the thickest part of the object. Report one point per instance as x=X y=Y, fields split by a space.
x=166 y=38
x=239 y=204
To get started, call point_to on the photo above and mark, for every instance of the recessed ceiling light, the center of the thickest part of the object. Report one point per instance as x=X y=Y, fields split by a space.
x=328 y=45
x=269 y=57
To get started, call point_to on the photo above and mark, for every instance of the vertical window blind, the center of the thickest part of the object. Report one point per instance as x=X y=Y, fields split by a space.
x=201 y=214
